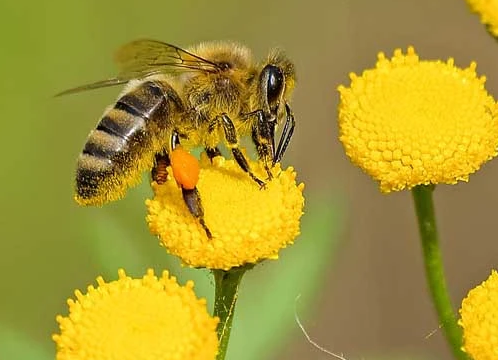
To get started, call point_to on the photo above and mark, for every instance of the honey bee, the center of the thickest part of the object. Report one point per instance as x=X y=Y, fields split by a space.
x=211 y=94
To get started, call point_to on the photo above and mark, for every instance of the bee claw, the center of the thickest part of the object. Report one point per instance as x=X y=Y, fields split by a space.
x=270 y=175
x=262 y=185
x=206 y=229
x=260 y=182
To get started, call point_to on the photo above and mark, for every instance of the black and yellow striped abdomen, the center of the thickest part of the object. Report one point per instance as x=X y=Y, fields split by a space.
x=124 y=143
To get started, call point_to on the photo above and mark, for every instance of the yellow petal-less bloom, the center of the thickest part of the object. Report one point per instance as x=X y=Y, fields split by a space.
x=409 y=122
x=488 y=13
x=479 y=320
x=137 y=319
x=248 y=224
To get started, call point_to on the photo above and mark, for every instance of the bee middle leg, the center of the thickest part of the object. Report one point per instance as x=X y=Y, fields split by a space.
x=233 y=143
x=212 y=152
x=159 y=172
x=263 y=136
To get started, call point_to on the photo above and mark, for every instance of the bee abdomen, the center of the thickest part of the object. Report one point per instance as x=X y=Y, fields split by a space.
x=124 y=142
x=108 y=155
x=91 y=174
x=133 y=111
x=147 y=101
x=102 y=144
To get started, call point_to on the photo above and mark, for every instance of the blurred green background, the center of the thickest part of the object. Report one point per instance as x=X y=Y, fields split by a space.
x=365 y=298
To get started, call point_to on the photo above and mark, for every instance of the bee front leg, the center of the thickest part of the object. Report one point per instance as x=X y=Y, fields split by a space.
x=233 y=143
x=287 y=132
x=263 y=136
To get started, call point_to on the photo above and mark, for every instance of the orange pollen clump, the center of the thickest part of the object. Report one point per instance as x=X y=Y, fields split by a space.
x=185 y=168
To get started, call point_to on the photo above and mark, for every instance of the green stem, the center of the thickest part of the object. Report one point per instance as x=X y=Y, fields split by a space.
x=225 y=297
x=424 y=207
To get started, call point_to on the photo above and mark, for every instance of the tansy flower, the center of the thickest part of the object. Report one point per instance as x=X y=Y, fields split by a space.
x=488 y=12
x=479 y=320
x=409 y=122
x=137 y=319
x=248 y=223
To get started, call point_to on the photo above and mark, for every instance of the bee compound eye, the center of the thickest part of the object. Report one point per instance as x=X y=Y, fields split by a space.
x=275 y=83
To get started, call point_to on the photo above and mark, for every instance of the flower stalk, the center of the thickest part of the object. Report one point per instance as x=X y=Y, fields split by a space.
x=424 y=208
x=225 y=298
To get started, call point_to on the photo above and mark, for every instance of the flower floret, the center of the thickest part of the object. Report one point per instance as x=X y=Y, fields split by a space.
x=248 y=223
x=409 y=122
x=137 y=319
x=479 y=320
x=488 y=13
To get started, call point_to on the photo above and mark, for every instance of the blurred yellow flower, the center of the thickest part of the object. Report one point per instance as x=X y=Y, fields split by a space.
x=248 y=223
x=409 y=122
x=137 y=319
x=479 y=320
x=488 y=12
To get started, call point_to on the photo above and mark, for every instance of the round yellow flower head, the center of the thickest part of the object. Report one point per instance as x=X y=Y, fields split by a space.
x=410 y=122
x=137 y=319
x=488 y=12
x=479 y=320
x=248 y=224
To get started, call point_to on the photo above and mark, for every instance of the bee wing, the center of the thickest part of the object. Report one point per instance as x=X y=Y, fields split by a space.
x=141 y=58
x=118 y=80
x=148 y=55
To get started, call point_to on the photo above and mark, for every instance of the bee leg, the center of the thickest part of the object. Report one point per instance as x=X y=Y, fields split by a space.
x=263 y=136
x=287 y=132
x=159 y=172
x=212 y=152
x=192 y=199
x=175 y=139
x=233 y=144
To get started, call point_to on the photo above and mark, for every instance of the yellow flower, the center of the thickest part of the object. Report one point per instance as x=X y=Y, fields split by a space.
x=248 y=223
x=410 y=122
x=479 y=320
x=137 y=319
x=488 y=12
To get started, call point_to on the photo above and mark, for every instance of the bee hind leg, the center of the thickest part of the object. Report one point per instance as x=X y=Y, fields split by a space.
x=192 y=199
x=233 y=143
x=263 y=136
x=191 y=196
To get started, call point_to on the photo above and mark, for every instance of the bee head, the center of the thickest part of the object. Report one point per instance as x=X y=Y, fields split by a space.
x=273 y=83
x=276 y=83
